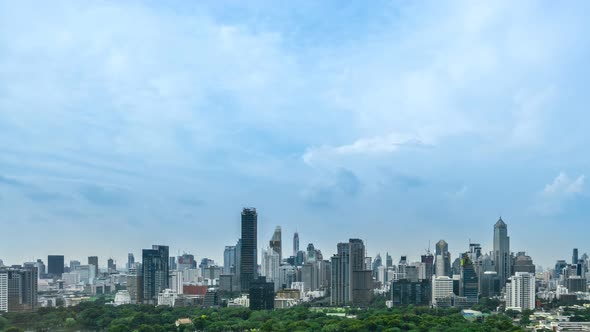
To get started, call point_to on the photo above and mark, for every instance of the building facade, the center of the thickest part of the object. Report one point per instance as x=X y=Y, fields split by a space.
x=249 y=245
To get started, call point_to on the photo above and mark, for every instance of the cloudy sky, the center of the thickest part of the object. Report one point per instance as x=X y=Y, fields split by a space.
x=124 y=124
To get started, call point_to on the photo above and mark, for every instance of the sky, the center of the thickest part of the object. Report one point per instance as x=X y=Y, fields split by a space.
x=127 y=124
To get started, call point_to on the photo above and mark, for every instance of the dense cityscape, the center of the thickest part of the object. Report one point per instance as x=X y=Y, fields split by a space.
x=507 y=282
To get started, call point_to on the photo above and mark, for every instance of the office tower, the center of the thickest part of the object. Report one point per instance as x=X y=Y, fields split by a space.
x=428 y=262
x=18 y=289
x=469 y=282
x=406 y=292
x=111 y=266
x=55 y=265
x=295 y=243
x=74 y=265
x=135 y=285
x=351 y=281
x=442 y=259
x=155 y=272
x=130 y=261
x=442 y=289
x=388 y=260
x=261 y=294
x=310 y=255
x=520 y=291
x=559 y=266
x=229 y=260
x=340 y=291
x=275 y=243
x=94 y=261
x=502 y=259
x=172 y=263
x=249 y=259
x=489 y=284
x=575 y=256
x=40 y=267
x=376 y=264
x=270 y=266
x=186 y=261
x=523 y=263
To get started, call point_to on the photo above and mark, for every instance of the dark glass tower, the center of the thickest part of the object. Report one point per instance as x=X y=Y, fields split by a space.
x=295 y=244
x=55 y=265
x=248 y=254
x=94 y=261
x=155 y=272
x=469 y=280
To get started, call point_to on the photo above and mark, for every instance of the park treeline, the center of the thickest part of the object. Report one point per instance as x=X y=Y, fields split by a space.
x=96 y=316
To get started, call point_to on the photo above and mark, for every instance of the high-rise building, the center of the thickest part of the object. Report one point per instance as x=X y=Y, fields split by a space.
x=405 y=292
x=186 y=261
x=111 y=266
x=295 y=243
x=523 y=263
x=351 y=278
x=377 y=262
x=73 y=265
x=469 y=282
x=135 y=285
x=502 y=259
x=172 y=264
x=442 y=288
x=229 y=260
x=155 y=272
x=388 y=260
x=275 y=243
x=520 y=291
x=442 y=259
x=575 y=256
x=262 y=295
x=40 y=267
x=94 y=261
x=130 y=261
x=428 y=262
x=18 y=289
x=340 y=291
x=55 y=265
x=3 y=290
x=270 y=266
x=249 y=256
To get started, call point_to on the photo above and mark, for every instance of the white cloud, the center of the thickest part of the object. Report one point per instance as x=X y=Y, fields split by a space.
x=564 y=185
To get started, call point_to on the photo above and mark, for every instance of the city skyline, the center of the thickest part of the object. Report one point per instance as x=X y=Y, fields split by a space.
x=398 y=123
x=220 y=257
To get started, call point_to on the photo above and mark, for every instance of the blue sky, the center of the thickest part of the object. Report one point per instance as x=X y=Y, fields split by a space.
x=124 y=124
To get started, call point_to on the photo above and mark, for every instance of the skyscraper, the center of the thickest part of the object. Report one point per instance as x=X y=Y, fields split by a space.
x=229 y=260
x=469 y=282
x=275 y=243
x=111 y=266
x=55 y=265
x=575 y=256
x=249 y=256
x=130 y=260
x=94 y=261
x=155 y=272
x=18 y=289
x=442 y=259
x=502 y=259
x=351 y=279
x=295 y=244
